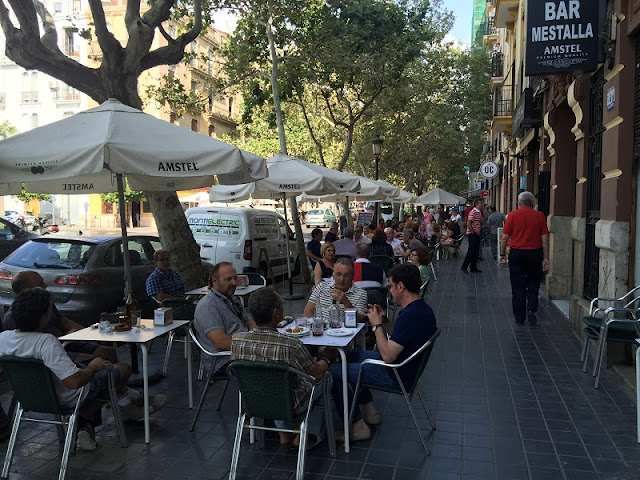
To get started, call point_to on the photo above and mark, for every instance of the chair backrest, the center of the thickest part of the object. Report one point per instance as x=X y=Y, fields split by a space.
x=383 y=261
x=182 y=309
x=255 y=278
x=425 y=287
x=265 y=389
x=344 y=256
x=425 y=353
x=32 y=384
x=377 y=296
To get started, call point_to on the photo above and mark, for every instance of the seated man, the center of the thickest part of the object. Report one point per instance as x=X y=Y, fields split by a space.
x=163 y=282
x=341 y=290
x=332 y=234
x=265 y=344
x=313 y=247
x=367 y=274
x=220 y=314
x=58 y=325
x=359 y=236
x=346 y=246
x=414 y=326
x=31 y=313
x=391 y=238
x=408 y=242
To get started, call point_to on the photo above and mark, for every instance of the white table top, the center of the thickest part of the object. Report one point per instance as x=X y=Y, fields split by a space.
x=326 y=340
x=240 y=291
x=150 y=332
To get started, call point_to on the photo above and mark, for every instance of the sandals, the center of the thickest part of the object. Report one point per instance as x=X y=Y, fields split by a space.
x=312 y=442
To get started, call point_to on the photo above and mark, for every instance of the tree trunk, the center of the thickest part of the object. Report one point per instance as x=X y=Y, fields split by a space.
x=183 y=249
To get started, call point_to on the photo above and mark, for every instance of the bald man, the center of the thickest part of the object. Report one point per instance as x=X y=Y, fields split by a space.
x=58 y=324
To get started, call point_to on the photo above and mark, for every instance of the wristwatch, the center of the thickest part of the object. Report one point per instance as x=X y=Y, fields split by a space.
x=375 y=327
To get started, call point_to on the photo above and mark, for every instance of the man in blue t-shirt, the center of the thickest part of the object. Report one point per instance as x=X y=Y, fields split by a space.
x=414 y=326
x=313 y=247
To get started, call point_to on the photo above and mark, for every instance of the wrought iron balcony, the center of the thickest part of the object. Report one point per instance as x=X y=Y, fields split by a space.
x=503 y=101
x=497 y=65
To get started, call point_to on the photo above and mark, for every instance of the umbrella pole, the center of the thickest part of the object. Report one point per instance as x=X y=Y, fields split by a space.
x=125 y=238
x=290 y=295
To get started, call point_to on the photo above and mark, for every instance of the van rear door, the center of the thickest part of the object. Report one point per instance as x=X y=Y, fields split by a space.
x=231 y=233
x=205 y=229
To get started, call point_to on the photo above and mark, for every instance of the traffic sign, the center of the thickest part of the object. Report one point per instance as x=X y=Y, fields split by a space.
x=488 y=169
x=484 y=194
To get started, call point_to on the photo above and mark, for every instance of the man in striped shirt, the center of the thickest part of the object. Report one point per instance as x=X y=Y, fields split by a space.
x=474 y=229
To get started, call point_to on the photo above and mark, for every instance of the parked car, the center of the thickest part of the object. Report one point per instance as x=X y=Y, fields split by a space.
x=280 y=210
x=85 y=275
x=15 y=217
x=319 y=218
x=12 y=237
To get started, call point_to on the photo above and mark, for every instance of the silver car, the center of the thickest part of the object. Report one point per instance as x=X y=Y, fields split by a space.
x=85 y=275
x=319 y=218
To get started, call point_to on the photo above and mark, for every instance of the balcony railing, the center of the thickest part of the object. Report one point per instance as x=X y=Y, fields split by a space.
x=67 y=95
x=497 y=65
x=503 y=101
x=29 y=96
x=487 y=27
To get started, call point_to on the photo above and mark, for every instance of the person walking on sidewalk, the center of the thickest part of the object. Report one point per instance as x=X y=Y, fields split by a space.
x=527 y=234
x=474 y=229
x=494 y=222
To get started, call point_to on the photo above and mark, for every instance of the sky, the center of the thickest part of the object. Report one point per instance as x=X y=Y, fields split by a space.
x=462 y=9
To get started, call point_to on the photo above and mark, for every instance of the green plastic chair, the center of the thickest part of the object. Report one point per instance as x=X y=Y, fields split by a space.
x=383 y=261
x=423 y=353
x=182 y=310
x=265 y=393
x=255 y=278
x=33 y=387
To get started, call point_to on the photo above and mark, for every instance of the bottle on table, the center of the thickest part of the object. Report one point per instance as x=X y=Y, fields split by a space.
x=131 y=309
x=334 y=315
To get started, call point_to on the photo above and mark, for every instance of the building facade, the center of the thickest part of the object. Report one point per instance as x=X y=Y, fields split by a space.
x=573 y=140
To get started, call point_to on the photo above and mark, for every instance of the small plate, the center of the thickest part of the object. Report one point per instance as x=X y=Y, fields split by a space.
x=339 y=332
x=303 y=331
x=122 y=328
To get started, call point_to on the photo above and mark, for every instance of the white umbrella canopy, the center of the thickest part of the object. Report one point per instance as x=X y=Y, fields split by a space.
x=83 y=154
x=369 y=190
x=289 y=177
x=439 y=196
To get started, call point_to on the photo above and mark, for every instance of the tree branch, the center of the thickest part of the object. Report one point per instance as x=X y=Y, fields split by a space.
x=310 y=127
x=133 y=12
x=160 y=11
x=25 y=12
x=164 y=33
x=50 y=37
x=10 y=32
x=108 y=43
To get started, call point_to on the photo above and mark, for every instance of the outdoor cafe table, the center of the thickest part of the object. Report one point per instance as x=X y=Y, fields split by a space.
x=143 y=337
x=240 y=291
x=339 y=343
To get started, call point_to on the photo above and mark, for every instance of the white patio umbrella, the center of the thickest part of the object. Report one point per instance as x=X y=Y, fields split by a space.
x=91 y=151
x=198 y=197
x=439 y=196
x=289 y=177
x=369 y=191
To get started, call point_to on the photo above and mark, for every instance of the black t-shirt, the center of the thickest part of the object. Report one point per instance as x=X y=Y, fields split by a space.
x=330 y=237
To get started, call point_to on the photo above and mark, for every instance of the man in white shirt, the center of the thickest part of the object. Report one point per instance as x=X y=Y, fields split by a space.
x=395 y=243
x=359 y=237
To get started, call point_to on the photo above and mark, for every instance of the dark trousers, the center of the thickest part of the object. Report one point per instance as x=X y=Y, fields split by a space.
x=473 y=252
x=525 y=270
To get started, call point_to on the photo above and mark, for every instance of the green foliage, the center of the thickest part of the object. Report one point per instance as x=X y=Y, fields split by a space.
x=171 y=93
x=26 y=196
x=7 y=129
x=129 y=195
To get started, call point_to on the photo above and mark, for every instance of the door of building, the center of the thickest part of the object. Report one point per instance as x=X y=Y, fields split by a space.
x=544 y=192
x=594 y=179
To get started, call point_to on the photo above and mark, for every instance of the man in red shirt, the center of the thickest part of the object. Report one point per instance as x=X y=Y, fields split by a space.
x=474 y=229
x=528 y=236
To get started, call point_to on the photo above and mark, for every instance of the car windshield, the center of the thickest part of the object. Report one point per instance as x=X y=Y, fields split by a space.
x=56 y=254
x=316 y=212
x=386 y=208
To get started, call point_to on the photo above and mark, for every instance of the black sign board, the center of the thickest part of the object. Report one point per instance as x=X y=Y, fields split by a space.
x=525 y=115
x=562 y=36
x=364 y=218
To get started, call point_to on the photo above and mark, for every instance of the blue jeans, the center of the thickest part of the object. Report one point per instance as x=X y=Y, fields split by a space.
x=372 y=374
x=315 y=416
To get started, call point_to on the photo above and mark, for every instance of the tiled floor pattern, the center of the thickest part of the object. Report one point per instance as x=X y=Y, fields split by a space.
x=510 y=403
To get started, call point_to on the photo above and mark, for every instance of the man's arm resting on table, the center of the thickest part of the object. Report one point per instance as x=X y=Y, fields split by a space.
x=83 y=376
x=310 y=309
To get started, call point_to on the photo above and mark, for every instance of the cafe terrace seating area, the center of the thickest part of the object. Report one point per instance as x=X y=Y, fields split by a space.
x=509 y=402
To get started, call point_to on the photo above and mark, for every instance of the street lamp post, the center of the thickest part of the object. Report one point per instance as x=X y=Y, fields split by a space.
x=377 y=150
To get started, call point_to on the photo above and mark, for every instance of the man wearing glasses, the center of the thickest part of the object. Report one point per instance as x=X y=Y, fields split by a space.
x=163 y=282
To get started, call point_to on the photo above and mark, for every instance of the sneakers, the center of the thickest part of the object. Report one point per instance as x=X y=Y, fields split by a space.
x=134 y=413
x=86 y=438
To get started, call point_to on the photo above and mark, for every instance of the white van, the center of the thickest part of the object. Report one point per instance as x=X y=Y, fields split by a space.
x=238 y=235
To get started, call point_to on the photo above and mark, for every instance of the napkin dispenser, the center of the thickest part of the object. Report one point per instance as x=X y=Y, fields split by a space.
x=350 y=318
x=163 y=316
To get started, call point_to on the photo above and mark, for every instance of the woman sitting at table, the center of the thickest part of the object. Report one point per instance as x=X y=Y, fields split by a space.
x=379 y=246
x=421 y=258
x=324 y=268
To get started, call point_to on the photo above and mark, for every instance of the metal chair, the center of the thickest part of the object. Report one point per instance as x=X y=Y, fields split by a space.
x=33 y=386
x=423 y=354
x=211 y=377
x=455 y=247
x=255 y=279
x=182 y=310
x=265 y=393
x=383 y=261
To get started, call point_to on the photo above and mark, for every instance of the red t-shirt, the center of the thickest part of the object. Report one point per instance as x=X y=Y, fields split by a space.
x=525 y=227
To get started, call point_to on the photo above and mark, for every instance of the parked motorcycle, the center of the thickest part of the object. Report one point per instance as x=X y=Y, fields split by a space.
x=41 y=226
